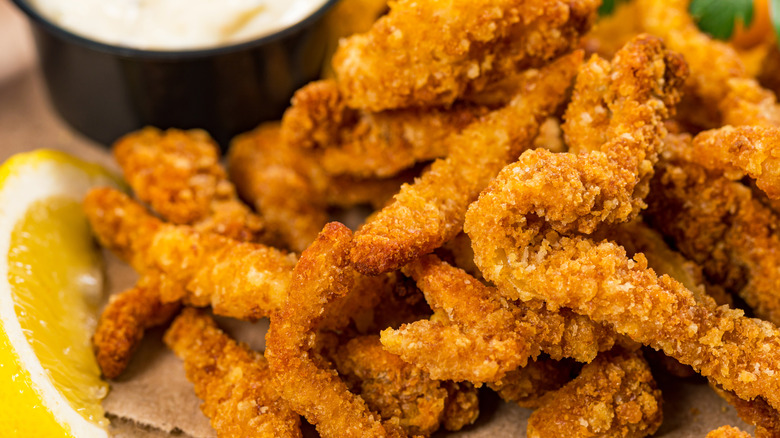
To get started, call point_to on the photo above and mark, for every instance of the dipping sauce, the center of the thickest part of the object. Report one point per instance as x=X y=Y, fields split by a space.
x=175 y=24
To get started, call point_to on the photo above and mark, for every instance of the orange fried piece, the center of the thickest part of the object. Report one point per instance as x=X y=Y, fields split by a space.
x=719 y=78
x=518 y=229
x=366 y=144
x=401 y=392
x=238 y=279
x=719 y=224
x=312 y=388
x=179 y=175
x=235 y=383
x=476 y=336
x=429 y=212
x=278 y=182
x=406 y=59
x=614 y=396
x=528 y=385
x=527 y=260
x=727 y=432
x=738 y=152
x=123 y=322
x=756 y=412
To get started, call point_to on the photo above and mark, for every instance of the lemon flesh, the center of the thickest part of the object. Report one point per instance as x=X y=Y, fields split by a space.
x=50 y=285
x=56 y=294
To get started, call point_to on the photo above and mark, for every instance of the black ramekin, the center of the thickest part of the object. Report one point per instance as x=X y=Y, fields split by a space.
x=105 y=91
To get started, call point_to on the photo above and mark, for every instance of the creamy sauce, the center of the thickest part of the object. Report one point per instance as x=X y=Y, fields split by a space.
x=175 y=24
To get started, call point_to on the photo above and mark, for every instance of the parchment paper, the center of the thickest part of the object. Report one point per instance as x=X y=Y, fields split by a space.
x=153 y=399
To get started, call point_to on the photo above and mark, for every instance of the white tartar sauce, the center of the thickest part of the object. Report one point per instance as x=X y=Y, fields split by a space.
x=175 y=24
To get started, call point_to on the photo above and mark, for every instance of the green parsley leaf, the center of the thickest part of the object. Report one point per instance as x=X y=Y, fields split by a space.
x=717 y=17
x=608 y=6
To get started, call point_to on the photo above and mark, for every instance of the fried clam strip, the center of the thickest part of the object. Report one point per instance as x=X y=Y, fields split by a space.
x=738 y=152
x=718 y=76
x=429 y=212
x=366 y=144
x=400 y=63
x=403 y=393
x=528 y=385
x=235 y=383
x=123 y=322
x=614 y=396
x=477 y=337
x=721 y=225
x=727 y=432
x=290 y=189
x=238 y=279
x=638 y=237
x=277 y=182
x=756 y=412
x=179 y=175
x=313 y=389
x=517 y=251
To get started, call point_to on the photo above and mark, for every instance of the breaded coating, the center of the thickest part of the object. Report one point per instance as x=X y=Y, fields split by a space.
x=122 y=324
x=400 y=392
x=179 y=175
x=637 y=237
x=747 y=103
x=238 y=279
x=433 y=52
x=365 y=144
x=277 y=182
x=345 y=18
x=348 y=191
x=721 y=88
x=476 y=336
x=518 y=229
x=235 y=383
x=527 y=385
x=614 y=396
x=429 y=212
x=527 y=261
x=290 y=189
x=738 y=152
x=611 y=32
x=756 y=412
x=727 y=432
x=323 y=275
x=721 y=225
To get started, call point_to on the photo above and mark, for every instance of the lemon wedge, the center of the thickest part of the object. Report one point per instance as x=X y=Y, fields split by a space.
x=51 y=283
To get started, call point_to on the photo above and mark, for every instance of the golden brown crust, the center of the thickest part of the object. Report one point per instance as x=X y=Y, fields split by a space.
x=429 y=212
x=365 y=144
x=476 y=336
x=527 y=385
x=727 y=432
x=235 y=383
x=179 y=175
x=312 y=388
x=122 y=324
x=719 y=82
x=238 y=279
x=401 y=392
x=614 y=396
x=755 y=412
x=399 y=63
x=719 y=224
x=516 y=227
x=740 y=151
x=277 y=181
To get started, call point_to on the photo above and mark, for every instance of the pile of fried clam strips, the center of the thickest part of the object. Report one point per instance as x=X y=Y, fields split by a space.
x=560 y=214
